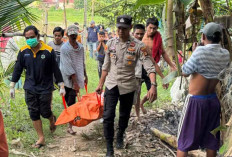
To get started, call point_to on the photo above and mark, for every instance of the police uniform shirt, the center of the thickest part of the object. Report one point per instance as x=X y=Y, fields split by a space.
x=120 y=61
x=40 y=68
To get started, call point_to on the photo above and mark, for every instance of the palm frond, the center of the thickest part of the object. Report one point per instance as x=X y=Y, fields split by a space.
x=9 y=69
x=14 y=15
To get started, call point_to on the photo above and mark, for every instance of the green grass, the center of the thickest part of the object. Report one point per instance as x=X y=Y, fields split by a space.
x=163 y=94
x=56 y=18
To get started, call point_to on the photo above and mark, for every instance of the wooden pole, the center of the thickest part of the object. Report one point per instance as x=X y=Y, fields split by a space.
x=92 y=9
x=46 y=24
x=85 y=24
x=65 y=18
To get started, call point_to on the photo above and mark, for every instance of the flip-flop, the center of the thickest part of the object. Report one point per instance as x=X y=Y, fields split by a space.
x=71 y=132
x=53 y=126
x=38 y=145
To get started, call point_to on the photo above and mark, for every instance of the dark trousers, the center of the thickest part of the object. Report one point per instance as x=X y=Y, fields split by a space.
x=100 y=63
x=111 y=98
x=70 y=96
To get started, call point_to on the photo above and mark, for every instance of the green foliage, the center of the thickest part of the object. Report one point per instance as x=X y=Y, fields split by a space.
x=221 y=7
x=14 y=14
x=186 y=2
x=148 y=2
x=78 y=4
x=215 y=131
x=111 y=10
x=224 y=148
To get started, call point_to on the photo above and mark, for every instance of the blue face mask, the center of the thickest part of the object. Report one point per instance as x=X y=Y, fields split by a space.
x=32 y=42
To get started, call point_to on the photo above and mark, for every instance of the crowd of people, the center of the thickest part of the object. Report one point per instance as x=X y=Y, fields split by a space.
x=125 y=61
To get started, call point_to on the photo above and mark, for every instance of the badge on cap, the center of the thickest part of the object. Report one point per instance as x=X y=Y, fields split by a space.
x=122 y=20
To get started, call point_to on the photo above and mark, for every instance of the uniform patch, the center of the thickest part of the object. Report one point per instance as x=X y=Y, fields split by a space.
x=144 y=50
x=112 y=48
x=132 y=44
x=131 y=49
x=112 y=55
x=42 y=56
x=129 y=62
x=131 y=57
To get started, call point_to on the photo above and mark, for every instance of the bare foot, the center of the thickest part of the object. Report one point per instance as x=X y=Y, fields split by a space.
x=143 y=109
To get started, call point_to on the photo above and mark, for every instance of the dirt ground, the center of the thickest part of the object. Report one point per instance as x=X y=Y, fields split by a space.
x=89 y=141
x=81 y=144
x=139 y=141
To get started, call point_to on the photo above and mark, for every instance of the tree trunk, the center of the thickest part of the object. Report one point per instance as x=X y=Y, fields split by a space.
x=207 y=8
x=170 y=40
x=92 y=9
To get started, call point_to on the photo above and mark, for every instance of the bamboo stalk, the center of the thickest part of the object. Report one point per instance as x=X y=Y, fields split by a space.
x=169 y=139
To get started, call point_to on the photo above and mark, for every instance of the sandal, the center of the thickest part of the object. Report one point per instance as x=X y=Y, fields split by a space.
x=53 y=126
x=38 y=145
x=70 y=131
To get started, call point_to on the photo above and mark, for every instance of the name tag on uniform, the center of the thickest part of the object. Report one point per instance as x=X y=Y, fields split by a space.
x=26 y=55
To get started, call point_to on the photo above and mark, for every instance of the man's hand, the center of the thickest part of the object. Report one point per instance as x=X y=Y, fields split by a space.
x=12 y=89
x=173 y=67
x=165 y=86
x=76 y=87
x=152 y=94
x=62 y=91
x=99 y=89
x=194 y=46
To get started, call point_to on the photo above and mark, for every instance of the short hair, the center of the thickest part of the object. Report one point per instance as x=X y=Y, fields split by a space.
x=31 y=27
x=76 y=23
x=138 y=26
x=216 y=38
x=153 y=21
x=101 y=26
x=58 y=29
x=101 y=33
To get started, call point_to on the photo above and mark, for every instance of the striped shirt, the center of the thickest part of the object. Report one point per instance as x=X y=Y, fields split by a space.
x=72 y=62
x=208 y=61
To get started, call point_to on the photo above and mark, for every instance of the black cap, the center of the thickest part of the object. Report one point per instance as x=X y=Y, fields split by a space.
x=124 y=21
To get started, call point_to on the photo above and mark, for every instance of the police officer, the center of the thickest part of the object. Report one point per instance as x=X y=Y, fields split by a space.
x=118 y=73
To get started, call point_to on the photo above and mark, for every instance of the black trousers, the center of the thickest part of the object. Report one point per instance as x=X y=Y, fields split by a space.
x=111 y=98
x=70 y=96
x=100 y=63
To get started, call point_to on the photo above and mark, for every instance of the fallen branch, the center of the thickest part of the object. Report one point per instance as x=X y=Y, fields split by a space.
x=172 y=141
x=169 y=139
x=167 y=148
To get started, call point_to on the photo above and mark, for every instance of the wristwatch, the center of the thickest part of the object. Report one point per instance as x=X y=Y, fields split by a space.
x=154 y=84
